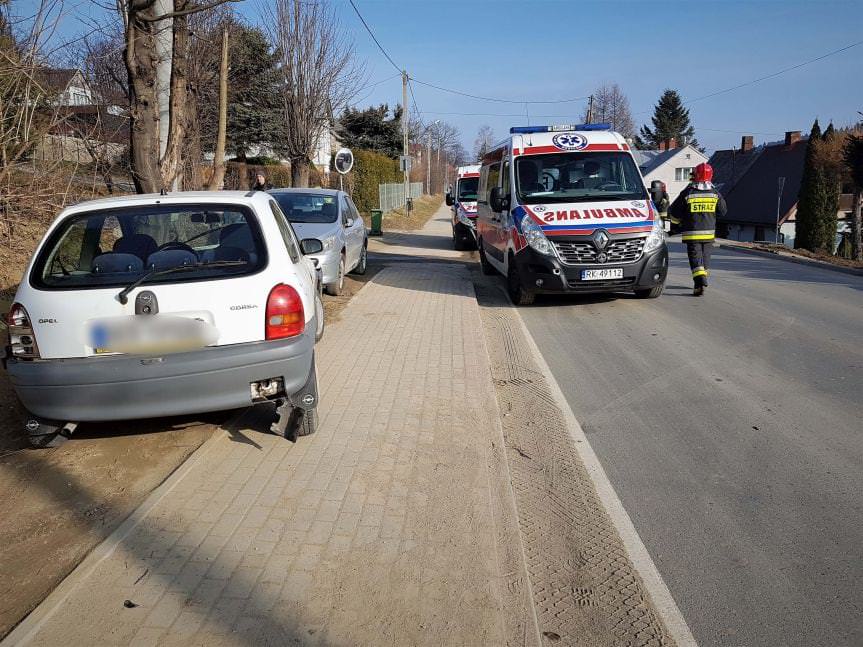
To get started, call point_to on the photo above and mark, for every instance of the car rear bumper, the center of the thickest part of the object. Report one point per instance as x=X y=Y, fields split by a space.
x=557 y=277
x=125 y=387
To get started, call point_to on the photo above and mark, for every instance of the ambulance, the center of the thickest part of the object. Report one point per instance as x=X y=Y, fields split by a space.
x=462 y=199
x=564 y=209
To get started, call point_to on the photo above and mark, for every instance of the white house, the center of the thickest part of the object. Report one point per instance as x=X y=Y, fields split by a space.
x=671 y=166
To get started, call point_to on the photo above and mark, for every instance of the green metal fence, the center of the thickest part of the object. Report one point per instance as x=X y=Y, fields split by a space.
x=392 y=196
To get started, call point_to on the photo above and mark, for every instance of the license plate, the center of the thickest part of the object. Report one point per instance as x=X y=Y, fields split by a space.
x=150 y=334
x=602 y=275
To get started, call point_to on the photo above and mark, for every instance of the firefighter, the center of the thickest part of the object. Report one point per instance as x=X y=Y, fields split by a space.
x=696 y=210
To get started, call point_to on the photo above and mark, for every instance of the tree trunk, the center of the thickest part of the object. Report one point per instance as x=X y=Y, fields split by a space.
x=857 y=226
x=219 y=156
x=170 y=166
x=140 y=58
x=300 y=169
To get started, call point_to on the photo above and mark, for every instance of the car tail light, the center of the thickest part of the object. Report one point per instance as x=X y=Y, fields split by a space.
x=22 y=340
x=285 y=316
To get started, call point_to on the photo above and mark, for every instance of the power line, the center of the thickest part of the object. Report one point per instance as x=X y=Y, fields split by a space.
x=368 y=29
x=498 y=100
x=775 y=74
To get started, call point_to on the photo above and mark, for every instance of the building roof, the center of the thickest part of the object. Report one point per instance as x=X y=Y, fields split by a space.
x=55 y=79
x=649 y=161
x=749 y=181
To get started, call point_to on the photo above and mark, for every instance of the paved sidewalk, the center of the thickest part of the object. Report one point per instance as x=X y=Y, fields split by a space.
x=393 y=525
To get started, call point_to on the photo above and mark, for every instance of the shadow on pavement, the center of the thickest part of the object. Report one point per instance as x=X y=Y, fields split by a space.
x=247 y=621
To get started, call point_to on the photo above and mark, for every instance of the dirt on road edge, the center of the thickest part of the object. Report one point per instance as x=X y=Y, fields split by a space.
x=585 y=588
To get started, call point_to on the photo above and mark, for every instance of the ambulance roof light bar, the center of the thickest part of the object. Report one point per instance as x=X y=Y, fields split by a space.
x=524 y=130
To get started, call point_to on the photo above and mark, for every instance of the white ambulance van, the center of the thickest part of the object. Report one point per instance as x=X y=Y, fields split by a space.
x=564 y=209
x=462 y=199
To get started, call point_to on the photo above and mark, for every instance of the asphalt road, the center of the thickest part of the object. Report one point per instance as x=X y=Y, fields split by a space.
x=731 y=427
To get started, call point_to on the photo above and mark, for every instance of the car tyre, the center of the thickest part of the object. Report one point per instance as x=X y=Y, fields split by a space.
x=514 y=287
x=363 y=263
x=335 y=289
x=486 y=267
x=320 y=321
x=651 y=293
x=43 y=433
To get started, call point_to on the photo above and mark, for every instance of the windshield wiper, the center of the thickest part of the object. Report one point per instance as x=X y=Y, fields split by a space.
x=124 y=294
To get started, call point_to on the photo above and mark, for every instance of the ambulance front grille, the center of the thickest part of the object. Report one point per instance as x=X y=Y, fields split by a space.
x=627 y=250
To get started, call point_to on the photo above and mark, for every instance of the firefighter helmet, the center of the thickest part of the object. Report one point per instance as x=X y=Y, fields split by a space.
x=704 y=173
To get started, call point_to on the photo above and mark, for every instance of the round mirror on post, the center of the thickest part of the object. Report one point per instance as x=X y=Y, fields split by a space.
x=344 y=163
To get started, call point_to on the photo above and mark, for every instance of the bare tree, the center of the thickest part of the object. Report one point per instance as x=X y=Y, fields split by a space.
x=483 y=142
x=318 y=77
x=145 y=22
x=610 y=105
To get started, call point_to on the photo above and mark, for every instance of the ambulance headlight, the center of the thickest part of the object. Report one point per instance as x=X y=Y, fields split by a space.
x=534 y=236
x=463 y=219
x=656 y=237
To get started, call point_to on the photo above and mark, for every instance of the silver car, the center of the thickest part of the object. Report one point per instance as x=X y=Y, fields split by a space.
x=331 y=217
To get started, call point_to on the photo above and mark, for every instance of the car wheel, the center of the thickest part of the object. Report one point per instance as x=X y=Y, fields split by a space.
x=486 y=267
x=43 y=433
x=457 y=243
x=361 y=267
x=652 y=293
x=309 y=423
x=517 y=293
x=319 y=317
x=335 y=289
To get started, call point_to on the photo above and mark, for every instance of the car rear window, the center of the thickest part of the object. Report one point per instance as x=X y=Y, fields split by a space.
x=114 y=247
x=308 y=207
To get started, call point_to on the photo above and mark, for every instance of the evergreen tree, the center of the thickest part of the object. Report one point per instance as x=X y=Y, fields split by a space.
x=670 y=121
x=852 y=155
x=812 y=196
x=827 y=220
x=254 y=102
x=371 y=129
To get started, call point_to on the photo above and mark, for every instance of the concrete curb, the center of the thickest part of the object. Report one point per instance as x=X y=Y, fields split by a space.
x=24 y=632
x=811 y=262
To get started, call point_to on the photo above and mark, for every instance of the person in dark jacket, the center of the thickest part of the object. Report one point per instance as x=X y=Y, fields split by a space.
x=696 y=210
x=261 y=183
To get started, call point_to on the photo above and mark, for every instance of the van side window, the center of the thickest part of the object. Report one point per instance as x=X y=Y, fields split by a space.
x=492 y=180
x=481 y=193
x=287 y=232
x=505 y=179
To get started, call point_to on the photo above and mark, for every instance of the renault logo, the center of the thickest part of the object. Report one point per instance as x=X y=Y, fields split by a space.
x=600 y=239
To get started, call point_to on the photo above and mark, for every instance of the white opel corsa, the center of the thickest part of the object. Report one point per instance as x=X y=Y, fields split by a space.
x=158 y=305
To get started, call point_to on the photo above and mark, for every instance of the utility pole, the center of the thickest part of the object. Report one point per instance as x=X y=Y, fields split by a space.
x=590 y=109
x=219 y=157
x=778 y=203
x=428 y=162
x=164 y=60
x=405 y=135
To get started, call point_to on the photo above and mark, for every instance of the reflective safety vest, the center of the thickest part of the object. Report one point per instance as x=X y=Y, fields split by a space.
x=696 y=210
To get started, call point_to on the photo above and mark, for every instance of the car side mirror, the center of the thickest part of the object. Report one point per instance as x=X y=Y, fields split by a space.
x=497 y=200
x=311 y=246
x=449 y=200
x=349 y=222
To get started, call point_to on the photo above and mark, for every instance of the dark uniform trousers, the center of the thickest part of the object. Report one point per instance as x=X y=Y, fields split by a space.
x=699 y=260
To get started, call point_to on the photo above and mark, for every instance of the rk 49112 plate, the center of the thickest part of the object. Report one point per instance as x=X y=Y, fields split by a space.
x=602 y=275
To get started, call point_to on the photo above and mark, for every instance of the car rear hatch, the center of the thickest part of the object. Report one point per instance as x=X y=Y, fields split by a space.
x=149 y=279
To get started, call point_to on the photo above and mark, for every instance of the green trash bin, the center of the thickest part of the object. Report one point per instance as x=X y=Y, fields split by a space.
x=377 y=219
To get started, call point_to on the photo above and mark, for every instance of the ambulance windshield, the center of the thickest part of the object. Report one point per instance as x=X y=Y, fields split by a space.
x=578 y=177
x=467 y=187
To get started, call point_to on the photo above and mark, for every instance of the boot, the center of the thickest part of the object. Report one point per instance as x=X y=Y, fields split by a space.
x=698 y=291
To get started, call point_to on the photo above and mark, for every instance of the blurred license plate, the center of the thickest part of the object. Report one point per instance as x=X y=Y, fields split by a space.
x=149 y=334
x=602 y=275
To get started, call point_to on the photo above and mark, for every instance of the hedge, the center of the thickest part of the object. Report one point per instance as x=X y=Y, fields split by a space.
x=370 y=170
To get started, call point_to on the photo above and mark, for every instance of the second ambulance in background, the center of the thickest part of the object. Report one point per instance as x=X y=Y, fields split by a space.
x=462 y=199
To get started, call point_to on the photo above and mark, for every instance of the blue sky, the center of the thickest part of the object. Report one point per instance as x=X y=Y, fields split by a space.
x=555 y=50
x=549 y=50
